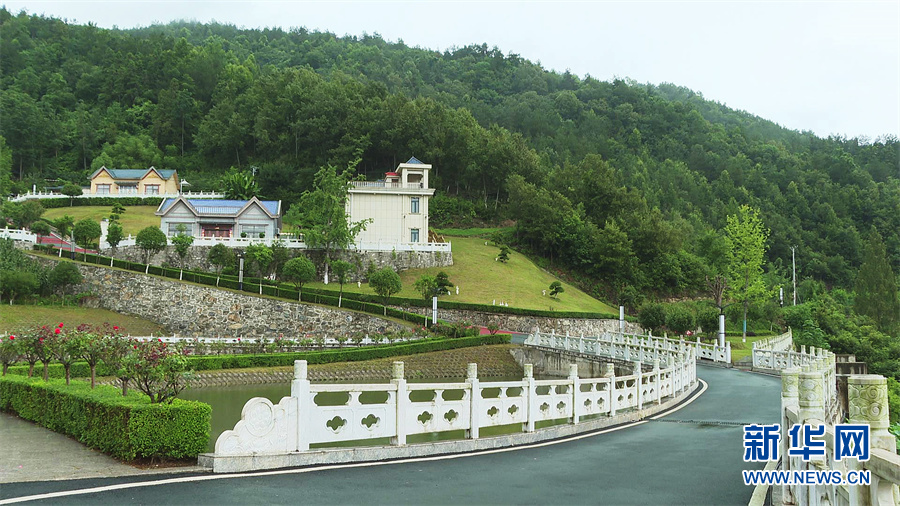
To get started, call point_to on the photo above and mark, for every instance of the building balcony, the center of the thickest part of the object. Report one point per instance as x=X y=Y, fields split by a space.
x=386 y=185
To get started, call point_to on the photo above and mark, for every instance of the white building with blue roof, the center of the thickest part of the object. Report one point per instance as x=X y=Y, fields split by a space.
x=252 y=218
x=396 y=205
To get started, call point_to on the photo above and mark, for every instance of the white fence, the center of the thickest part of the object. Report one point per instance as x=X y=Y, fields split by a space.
x=18 y=235
x=629 y=347
x=389 y=411
x=86 y=193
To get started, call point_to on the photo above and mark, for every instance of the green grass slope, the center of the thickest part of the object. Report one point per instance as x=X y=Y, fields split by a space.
x=15 y=319
x=482 y=280
x=133 y=220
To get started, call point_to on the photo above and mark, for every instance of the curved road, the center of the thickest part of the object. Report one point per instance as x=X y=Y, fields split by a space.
x=691 y=456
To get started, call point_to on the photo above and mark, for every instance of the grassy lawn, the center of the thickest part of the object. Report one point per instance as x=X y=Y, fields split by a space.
x=468 y=232
x=135 y=218
x=482 y=280
x=741 y=350
x=15 y=319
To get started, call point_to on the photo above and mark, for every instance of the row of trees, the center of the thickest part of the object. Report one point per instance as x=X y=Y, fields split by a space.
x=157 y=369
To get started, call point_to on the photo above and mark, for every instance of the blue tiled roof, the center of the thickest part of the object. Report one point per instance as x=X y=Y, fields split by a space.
x=220 y=206
x=137 y=173
x=415 y=161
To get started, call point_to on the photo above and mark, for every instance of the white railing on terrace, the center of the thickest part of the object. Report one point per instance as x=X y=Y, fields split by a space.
x=616 y=340
x=122 y=194
x=18 y=235
x=243 y=242
x=298 y=421
x=382 y=184
x=252 y=341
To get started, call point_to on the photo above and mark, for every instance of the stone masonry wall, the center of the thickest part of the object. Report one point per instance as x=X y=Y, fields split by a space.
x=399 y=260
x=194 y=310
x=526 y=324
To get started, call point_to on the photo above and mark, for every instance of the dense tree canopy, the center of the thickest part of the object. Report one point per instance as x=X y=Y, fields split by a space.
x=618 y=182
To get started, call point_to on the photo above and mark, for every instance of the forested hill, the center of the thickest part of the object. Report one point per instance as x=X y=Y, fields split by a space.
x=622 y=183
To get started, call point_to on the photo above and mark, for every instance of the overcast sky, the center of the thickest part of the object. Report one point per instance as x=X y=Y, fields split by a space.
x=829 y=67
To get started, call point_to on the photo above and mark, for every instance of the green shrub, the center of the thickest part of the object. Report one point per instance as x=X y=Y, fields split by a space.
x=124 y=427
x=680 y=319
x=652 y=315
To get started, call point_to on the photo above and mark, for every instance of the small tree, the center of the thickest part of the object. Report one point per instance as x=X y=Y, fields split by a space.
x=71 y=190
x=220 y=256
x=158 y=370
x=151 y=240
x=114 y=235
x=86 y=232
x=18 y=283
x=680 y=319
x=341 y=270
x=67 y=348
x=442 y=283
x=117 y=210
x=385 y=282
x=503 y=256
x=426 y=286
x=64 y=275
x=28 y=348
x=299 y=270
x=260 y=256
x=64 y=225
x=9 y=351
x=31 y=212
x=652 y=316
x=116 y=349
x=41 y=229
x=182 y=242
x=556 y=288
x=94 y=345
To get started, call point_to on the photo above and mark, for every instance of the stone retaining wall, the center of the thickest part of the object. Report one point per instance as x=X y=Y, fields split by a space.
x=398 y=260
x=196 y=310
x=526 y=324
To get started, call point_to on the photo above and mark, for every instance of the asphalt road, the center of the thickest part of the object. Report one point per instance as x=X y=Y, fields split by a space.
x=691 y=456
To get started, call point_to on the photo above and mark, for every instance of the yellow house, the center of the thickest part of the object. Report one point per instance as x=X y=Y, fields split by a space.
x=151 y=181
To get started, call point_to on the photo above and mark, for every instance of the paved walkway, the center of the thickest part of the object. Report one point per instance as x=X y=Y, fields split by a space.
x=691 y=456
x=32 y=453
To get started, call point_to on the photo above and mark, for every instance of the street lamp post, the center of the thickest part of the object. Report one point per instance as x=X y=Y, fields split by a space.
x=241 y=271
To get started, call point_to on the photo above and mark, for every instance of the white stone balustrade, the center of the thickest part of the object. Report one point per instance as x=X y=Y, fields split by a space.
x=805 y=400
x=630 y=347
x=399 y=409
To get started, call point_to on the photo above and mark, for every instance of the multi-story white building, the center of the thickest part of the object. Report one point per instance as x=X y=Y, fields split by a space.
x=397 y=205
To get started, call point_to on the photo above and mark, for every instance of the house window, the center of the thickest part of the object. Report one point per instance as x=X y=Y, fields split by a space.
x=215 y=230
x=151 y=189
x=103 y=189
x=253 y=231
x=414 y=205
x=127 y=188
x=413 y=235
x=173 y=229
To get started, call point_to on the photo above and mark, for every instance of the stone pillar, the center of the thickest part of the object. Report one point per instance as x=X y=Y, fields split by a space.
x=576 y=391
x=300 y=393
x=531 y=398
x=475 y=390
x=789 y=399
x=868 y=404
x=622 y=320
x=656 y=376
x=811 y=396
x=399 y=379
x=722 y=329
x=639 y=386
x=609 y=372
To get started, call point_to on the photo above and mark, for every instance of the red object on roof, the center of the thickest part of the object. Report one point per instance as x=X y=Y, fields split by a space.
x=390 y=173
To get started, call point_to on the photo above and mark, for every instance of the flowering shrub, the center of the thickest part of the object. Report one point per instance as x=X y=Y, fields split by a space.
x=158 y=370
x=9 y=351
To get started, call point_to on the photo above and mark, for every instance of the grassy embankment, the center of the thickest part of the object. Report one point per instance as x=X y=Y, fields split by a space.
x=14 y=319
x=483 y=280
x=135 y=218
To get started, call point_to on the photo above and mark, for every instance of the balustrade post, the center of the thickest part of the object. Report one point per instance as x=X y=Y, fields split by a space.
x=399 y=379
x=727 y=352
x=609 y=372
x=867 y=399
x=531 y=398
x=475 y=398
x=789 y=400
x=573 y=377
x=656 y=377
x=300 y=394
x=639 y=385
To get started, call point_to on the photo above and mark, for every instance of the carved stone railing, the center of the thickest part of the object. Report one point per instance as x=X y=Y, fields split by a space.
x=804 y=401
x=278 y=435
x=625 y=346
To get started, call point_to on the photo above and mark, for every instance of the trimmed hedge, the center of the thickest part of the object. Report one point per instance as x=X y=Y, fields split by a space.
x=124 y=427
x=238 y=361
x=100 y=201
